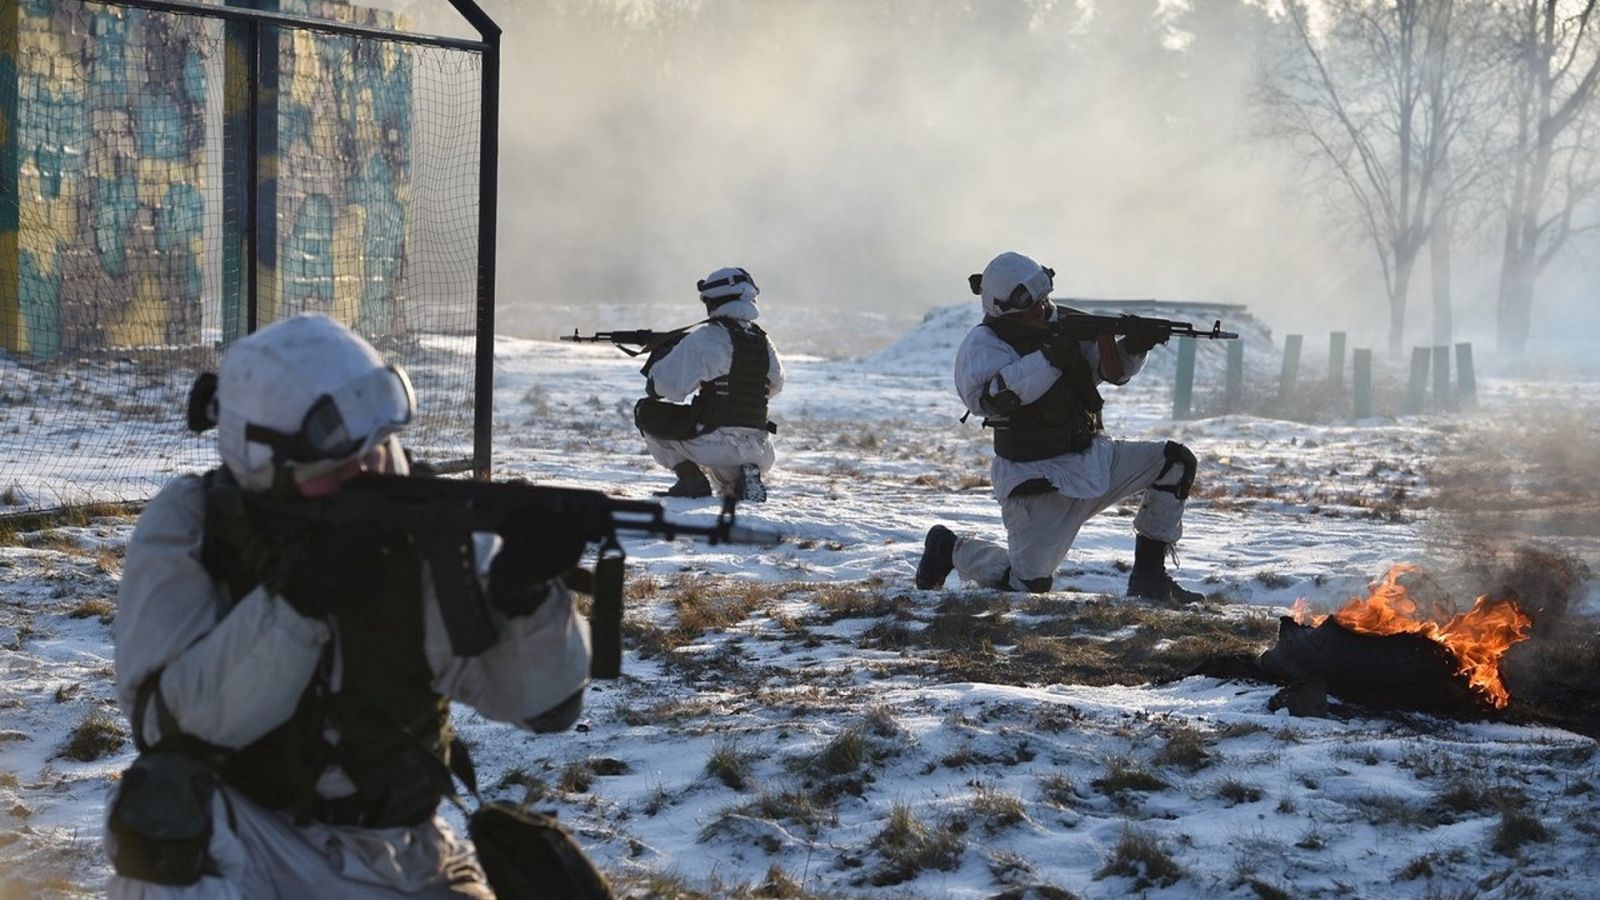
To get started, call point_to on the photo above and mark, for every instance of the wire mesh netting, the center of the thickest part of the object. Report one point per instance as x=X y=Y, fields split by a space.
x=130 y=166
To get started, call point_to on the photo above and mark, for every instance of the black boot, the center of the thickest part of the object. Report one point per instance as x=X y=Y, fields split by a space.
x=750 y=488
x=1149 y=579
x=938 y=558
x=691 y=482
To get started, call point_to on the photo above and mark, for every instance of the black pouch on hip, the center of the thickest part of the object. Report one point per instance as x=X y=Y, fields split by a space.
x=162 y=818
x=527 y=856
x=667 y=421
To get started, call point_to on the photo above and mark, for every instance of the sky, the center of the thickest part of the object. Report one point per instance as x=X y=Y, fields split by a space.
x=868 y=156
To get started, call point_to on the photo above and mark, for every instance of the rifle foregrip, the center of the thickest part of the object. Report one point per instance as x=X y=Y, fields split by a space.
x=605 y=617
x=462 y=605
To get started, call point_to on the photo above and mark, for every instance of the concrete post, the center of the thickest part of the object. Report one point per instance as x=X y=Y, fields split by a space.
x=1361 y=384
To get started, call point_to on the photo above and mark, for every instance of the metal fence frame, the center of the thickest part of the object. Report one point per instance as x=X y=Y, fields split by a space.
x=260 y=26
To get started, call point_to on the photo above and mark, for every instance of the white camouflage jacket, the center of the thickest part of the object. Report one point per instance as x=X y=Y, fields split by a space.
x=984 y=357
x=232 y=679
x=705 y=354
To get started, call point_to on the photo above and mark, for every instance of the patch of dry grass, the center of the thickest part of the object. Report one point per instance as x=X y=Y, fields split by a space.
x=844 y=754
x=577 y=777
x=701 y=606
x=94 y=607
x=729 y=765
x=1058 y=790
x=1125 y=775
x=97 y=736
x=796 y=806
x=1185 y=749
x=1516 y=829
x=859 y=600
x=22 y=529
x=1093 y=642
x=55 y=542
x=909 y=846
x=1140 y=856
x=1236 y=792
x=996 y=809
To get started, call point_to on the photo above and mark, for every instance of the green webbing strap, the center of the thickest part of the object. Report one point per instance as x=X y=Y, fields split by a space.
x=605 y=619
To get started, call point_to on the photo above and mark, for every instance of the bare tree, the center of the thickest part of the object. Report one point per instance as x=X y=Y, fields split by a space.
x=1378 y=98
x=1459 y=53
x=1555 y=168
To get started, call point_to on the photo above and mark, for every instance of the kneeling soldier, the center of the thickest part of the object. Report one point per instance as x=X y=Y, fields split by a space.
x=1054 y=467
x=732 y=370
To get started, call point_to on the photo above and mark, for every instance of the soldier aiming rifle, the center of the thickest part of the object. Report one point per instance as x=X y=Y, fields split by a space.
x=1032 y=371
x=730 y=369
x=293 y=626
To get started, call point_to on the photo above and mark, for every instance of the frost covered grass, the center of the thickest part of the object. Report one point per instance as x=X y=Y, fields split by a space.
x=799 y=721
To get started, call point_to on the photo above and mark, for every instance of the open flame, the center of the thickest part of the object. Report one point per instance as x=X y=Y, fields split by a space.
x=1477 y=638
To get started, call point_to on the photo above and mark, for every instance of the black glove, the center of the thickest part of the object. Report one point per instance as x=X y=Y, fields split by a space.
x=1142 y=337
x=1065 y=355
x=535 y=550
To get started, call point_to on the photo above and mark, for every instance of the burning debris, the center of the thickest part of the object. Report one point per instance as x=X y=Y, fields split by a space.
x=1382 y=649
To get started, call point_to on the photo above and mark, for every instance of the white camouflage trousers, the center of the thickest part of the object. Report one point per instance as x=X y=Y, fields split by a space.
x=719 y=452
x=260 y=854
x=1040 y=528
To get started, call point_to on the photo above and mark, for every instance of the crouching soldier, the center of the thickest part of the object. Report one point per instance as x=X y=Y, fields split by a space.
x=290 y=693
x=1054 y=467
x=732 y=370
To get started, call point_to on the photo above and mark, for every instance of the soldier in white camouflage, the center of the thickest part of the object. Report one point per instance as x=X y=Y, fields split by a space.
x=705 y=409
x=1054 y=466
x=291 y=694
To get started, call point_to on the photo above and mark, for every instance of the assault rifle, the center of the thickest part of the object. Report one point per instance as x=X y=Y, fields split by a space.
x=444 y=513
x=1086 y=326
x=645 y=339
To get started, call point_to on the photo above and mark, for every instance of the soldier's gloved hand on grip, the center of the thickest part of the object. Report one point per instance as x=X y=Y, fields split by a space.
x=1065 y=354
x=533 y=552
x=1143 y=338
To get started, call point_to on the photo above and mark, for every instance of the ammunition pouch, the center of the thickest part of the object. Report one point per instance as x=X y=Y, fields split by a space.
x=526 y=854
x=161 y=821
x=1066 y=418
x=1035 y=442
x=401 y=791
x=667 y=421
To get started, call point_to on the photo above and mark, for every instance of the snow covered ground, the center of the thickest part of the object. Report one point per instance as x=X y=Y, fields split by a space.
x=800 y=721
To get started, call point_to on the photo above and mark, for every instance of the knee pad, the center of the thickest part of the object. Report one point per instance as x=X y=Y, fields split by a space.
x=1178 y=455
x=1037 y=585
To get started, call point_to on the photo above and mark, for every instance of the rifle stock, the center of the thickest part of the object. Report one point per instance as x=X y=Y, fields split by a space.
x=443 y=514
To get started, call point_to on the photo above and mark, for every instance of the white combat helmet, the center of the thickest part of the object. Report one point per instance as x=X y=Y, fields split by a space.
x=1011 y=283
x=727 y=285
x=303 y=396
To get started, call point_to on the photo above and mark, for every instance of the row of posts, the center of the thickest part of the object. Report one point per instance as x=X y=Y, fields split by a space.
x=1423 y=359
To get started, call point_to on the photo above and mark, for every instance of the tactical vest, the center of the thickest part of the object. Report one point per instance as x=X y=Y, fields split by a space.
x=1064 y=420
x=739 y=397
x=393 y=729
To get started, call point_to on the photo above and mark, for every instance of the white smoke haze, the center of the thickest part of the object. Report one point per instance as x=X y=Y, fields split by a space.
x=867 y=156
